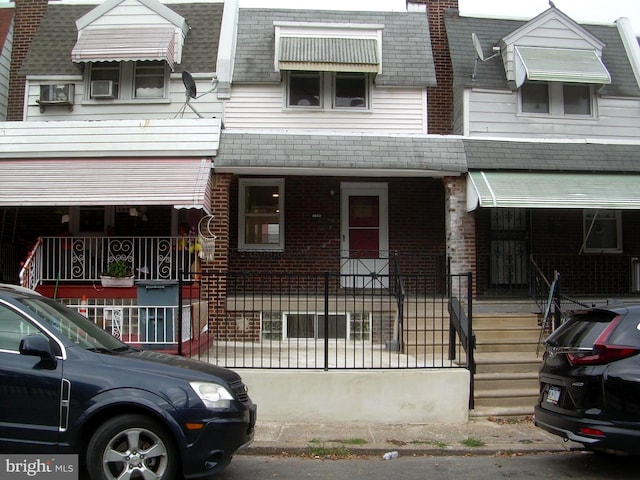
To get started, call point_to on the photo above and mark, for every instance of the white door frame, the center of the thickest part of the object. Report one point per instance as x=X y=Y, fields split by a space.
x=352 y=268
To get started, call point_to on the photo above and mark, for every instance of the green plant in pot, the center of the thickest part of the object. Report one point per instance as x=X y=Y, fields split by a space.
x=118 y=274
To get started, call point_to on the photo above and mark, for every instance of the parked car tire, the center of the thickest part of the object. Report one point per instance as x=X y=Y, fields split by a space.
x=131 y=442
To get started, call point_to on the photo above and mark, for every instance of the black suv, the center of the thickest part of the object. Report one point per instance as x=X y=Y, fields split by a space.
x=590 y=380
x=69 y=387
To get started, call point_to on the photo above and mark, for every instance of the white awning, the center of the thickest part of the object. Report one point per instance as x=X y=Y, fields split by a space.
x=181 y=182
x=552 y=190
x=559 y=65
x=125 y=44
x=328 y=54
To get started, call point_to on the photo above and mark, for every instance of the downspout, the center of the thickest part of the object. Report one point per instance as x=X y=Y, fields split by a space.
x=630 y=42
x=227 y=48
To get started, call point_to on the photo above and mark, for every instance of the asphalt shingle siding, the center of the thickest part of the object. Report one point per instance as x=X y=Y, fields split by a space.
x=50 y=52
x=551 y=156
x=491 y=74
x=340 y=151
x=407 y=59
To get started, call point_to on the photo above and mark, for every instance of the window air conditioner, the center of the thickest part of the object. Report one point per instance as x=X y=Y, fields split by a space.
x=102 y=89
x=56 y=94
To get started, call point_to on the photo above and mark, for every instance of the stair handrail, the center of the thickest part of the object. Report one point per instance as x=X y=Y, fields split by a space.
x=28 y=275
x=462 y=325
x=400 y=295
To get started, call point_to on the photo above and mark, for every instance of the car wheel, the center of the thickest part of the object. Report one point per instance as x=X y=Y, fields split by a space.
x=133 y=447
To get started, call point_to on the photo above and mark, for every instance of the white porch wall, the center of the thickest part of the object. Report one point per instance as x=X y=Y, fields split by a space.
x=373 y=396
x=394 y=110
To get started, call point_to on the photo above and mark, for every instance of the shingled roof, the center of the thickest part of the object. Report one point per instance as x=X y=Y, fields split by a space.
x=491 y=74
x=566 y=156
x=289 y=152
x=50 y=52
x=407 y=59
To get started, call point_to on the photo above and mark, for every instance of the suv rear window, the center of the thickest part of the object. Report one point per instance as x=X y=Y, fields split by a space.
x=582 y=329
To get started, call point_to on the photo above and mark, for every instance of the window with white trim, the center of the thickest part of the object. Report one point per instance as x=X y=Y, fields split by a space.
x=555 y=98
x=602 y=231
x=327 y=90
x=261 y=214
x=143 y=80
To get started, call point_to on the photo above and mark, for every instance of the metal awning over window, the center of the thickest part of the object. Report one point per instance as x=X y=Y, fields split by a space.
x=181 y=182
x=328 y=54
x=552 y=190
x=125 y=44
x=559 y=65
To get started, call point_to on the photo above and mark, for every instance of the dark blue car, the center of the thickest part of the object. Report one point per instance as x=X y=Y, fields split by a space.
x=67 y=386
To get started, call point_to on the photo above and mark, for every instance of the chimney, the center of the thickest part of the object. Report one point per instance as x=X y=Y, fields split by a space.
x=440 y=97
x=28 y=14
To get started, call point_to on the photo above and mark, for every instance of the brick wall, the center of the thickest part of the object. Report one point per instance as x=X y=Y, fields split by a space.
x=28 y=14
x=440 y=97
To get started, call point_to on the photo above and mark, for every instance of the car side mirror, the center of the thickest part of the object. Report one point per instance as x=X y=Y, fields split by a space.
x=37 y=346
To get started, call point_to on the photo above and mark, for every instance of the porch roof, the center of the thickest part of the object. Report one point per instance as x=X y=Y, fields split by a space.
x=552 y=190
x=181 y=182
x=279 y=153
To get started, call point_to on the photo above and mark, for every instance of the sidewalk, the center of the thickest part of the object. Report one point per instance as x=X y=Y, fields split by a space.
x=477 y=437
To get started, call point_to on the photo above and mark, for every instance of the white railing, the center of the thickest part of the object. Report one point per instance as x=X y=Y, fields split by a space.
x=84 y=259
x=140 y=325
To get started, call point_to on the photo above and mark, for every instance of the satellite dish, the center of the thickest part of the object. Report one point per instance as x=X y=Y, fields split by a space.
x=476 y=44
x=191 y=92
x=189 y=84
x=480 y=54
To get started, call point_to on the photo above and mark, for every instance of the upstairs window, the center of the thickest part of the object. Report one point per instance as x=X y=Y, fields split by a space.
x=144 y=80
x=554 y=98
x=327 y=90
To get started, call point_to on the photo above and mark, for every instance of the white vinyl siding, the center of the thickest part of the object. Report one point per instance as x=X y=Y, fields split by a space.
x=393 y=110
x=5 y=62
x=207 y=105
x=494 y=114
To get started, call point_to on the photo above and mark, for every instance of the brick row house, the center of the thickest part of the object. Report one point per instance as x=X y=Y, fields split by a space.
x=299 y=147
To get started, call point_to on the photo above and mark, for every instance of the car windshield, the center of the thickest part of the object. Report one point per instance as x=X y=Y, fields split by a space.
x=73 y=326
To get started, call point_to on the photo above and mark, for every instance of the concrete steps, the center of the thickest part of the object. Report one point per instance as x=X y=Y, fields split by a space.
x=506 y=380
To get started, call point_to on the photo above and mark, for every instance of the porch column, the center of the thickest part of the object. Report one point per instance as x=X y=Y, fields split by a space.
x=214 y=281
x=460 y=230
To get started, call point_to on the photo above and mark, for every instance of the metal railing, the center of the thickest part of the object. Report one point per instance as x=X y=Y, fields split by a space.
x=84 y=259
x=291 y=321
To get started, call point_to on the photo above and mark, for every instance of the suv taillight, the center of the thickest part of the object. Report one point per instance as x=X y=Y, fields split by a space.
x=602 y=352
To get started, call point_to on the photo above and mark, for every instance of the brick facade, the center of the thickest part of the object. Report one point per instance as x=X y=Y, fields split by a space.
x=461 y=230
x=28 y=14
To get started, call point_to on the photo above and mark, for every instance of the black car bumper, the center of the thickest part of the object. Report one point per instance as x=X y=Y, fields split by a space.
x=216 y=444
x=616 y=437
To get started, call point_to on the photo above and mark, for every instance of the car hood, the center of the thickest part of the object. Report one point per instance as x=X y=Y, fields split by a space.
x=155 y=363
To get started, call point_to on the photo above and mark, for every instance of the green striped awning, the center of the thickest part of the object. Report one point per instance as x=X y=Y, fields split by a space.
x=552 y=190
x=560 y=65
x=328 y=54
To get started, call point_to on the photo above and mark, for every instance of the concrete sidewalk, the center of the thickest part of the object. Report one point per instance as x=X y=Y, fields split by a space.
x=477 y=437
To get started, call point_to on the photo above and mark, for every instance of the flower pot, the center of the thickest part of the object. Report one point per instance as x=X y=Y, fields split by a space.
x=119 y=282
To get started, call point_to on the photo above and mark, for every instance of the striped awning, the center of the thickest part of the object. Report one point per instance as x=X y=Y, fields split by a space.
x=180 y=182
x=328 y=54
x=552 y=190
x=125 y=44
x=559 y=65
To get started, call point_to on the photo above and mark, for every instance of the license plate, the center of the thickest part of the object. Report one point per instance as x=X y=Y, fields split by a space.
x=553 y=395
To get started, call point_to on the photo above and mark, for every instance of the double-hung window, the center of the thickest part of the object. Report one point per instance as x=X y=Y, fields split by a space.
x=554 y=98
x=261 y=218
x=327 y=90
x=602 y=231
x=132 y=81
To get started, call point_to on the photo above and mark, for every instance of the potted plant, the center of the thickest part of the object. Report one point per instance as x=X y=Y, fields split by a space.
x=118 y=274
